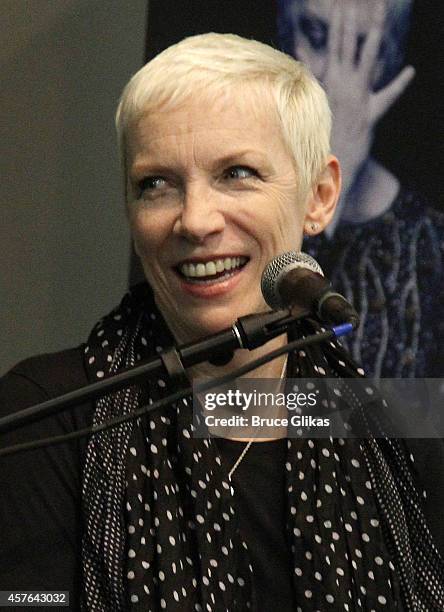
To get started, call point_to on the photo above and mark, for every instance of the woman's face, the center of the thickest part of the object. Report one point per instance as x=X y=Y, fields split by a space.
x=214 y=196
x=313 y=22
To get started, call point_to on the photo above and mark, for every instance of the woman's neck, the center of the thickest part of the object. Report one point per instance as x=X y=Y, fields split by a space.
x=273 y=369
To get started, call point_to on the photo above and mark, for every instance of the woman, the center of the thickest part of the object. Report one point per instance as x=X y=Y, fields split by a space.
x=225 y=148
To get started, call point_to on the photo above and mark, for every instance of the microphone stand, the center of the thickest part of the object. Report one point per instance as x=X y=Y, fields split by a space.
x=334 y=332
x=250 y=332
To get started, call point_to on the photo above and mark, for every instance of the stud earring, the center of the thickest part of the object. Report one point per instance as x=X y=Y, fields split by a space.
x=311 y=227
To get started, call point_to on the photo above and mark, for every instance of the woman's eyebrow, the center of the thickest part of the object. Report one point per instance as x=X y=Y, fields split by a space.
x=237 y=155
x=248 y=156
x=149 y=164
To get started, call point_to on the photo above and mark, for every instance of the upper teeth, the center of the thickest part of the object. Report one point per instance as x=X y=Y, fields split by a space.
x=210 y=268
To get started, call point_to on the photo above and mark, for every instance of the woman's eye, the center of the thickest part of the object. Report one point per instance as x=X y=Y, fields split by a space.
x=315 y=31
x=240 y=172
x=151 y=183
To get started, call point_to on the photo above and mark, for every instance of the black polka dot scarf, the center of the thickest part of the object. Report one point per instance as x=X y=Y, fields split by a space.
x=161 y=530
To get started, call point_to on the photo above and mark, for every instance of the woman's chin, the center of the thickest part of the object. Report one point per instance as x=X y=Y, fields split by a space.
x=211 y=321
x=203 y=327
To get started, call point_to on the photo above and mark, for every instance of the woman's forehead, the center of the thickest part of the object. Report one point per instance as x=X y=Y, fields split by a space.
x=227 y=117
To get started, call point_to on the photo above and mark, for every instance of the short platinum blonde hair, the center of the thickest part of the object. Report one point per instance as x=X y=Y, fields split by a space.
x=214 y=63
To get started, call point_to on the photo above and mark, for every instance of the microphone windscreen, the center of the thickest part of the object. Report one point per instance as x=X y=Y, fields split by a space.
x=276 y=270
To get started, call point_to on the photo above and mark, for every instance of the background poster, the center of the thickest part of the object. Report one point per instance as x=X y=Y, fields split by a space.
x=385 y=248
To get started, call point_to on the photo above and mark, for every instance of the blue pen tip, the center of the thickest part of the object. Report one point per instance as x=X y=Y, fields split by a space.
x=342 y=330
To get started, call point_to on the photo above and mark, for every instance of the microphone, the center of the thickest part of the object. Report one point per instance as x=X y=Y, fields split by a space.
x=296 y=279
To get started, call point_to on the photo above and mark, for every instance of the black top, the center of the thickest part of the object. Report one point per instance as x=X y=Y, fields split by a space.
x=259 y=485
x=40 y=508
x=40 y=522
x=40 y=514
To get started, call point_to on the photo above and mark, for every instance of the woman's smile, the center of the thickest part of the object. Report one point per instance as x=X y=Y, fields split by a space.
x=213 y=277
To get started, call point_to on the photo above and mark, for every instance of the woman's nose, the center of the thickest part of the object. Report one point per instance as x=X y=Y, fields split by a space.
x=200 y=216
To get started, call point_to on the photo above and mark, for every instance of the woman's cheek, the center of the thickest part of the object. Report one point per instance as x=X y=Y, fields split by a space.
x=145 y=222
x=142 y=233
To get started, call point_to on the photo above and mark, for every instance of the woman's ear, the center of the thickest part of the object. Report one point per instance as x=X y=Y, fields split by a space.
x=323 y=197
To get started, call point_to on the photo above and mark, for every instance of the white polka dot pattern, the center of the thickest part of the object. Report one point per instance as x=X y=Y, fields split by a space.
x=161 y=523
